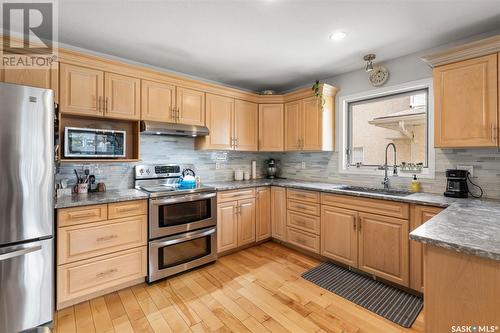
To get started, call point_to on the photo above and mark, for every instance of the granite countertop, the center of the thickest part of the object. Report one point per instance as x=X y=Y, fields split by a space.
x=469 y=226
x=99 y=198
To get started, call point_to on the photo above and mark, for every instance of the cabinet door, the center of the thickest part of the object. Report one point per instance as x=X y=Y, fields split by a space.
x=384 y=247
x=466 y=96
x=419 y=215
x=40 y=78
x=271 y=118
x=293 y=126
x=82 y=90
x=246 y=221
x=227 y=229
x=220 y=113
x=122 y=97
x=190 y=106
x=246 y=125
x=339 y=236
x=158 y=100
x=263 y=213
x=278 y=212
x=312 y=124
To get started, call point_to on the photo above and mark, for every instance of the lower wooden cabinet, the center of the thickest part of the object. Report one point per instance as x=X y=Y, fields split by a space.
x=235 y=224
x=278 y=212
x=339 y=235
x=303 y=239
x=100 y=249
x=384 y=247
x=263 y=213
x=419 y=215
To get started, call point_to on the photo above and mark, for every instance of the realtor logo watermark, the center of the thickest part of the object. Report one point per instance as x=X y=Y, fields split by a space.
x=475 y=328
x=29 y=34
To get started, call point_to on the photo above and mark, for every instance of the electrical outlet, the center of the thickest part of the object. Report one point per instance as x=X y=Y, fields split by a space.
x=303 y=165
x=218 y=166
x=469 y=168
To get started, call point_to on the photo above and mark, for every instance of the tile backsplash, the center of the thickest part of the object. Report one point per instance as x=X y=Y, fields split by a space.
x=168 y=149
x=321 y=166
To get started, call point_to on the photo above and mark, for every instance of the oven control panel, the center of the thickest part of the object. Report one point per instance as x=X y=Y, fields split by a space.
x=157 y=171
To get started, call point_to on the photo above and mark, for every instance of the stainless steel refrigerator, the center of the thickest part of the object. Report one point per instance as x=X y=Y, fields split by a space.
x=26 y=207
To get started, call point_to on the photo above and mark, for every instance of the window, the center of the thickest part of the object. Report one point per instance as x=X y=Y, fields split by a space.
x=400 y=116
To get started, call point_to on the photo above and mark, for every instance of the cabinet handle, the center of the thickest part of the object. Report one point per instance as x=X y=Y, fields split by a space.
x=82 y=214
x=106 y=238
x=126 y=208
x=177 y=114
x=99 y=101
x=494 y=132
x=172 y=113
x=359 y=223
x=354 y=224
x=106 y=105
x=109 y=271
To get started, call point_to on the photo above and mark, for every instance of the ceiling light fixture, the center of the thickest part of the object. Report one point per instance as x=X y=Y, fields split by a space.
x=369 y=62
x=338 y=35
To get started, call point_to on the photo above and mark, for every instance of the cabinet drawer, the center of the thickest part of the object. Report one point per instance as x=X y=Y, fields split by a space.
x=304 y=207
x=127 y=208
x=375 y=206
x=304 y=222
x=83 y=242
x=79 y=215
x=302 y=195
x=89 y=276
x=236 y=195
x=303 y=239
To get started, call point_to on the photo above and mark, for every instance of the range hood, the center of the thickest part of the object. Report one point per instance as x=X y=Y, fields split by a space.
x=159 y=128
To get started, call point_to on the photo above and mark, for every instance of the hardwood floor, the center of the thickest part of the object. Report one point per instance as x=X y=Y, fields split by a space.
x=255 y=290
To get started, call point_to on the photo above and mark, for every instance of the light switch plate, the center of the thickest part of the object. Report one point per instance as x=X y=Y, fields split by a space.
x=470 y=168
x=303 y=165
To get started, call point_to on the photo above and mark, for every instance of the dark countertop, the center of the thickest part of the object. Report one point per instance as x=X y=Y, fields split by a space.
x=76 y=200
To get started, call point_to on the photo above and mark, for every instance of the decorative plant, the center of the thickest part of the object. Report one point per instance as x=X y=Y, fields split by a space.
x=317 y=92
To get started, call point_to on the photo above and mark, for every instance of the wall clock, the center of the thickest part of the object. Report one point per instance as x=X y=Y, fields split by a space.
x=378 y=76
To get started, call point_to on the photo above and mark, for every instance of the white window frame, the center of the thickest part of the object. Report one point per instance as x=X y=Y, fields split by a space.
x=344 y=102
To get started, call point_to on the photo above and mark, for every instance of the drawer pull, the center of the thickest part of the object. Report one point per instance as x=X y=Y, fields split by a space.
x=301 y=207
x=127 y=208
x=300 y=240
x=106 y=238
x=103 y=274
x=82 y=214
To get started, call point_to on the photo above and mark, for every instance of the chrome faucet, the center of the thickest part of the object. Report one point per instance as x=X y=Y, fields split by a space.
x=385 y=167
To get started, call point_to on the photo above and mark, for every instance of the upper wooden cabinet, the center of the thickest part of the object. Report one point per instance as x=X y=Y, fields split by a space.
x=190 y=109
x=40 y=78
x=122 y=97
x=233 y=124
x=89 y=92
x=157 y=101
x=81 y=90
x=309 y=124
x=466 y=98
x=271 y=127
x=246 y=118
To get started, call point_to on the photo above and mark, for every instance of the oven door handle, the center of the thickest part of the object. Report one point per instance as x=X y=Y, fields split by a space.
x=184 y=237
x=183 y=198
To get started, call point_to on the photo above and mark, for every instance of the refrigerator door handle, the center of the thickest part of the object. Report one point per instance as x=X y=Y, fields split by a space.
x=21 y=252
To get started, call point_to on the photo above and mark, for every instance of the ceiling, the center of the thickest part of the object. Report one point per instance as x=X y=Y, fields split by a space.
x=268 y=44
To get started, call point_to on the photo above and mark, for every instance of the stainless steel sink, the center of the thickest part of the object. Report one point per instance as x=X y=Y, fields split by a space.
x=376 y=190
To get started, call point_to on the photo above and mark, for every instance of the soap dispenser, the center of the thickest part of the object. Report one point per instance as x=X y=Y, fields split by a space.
x=415 y=184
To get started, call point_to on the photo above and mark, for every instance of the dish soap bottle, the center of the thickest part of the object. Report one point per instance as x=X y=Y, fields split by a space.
x=415 y=184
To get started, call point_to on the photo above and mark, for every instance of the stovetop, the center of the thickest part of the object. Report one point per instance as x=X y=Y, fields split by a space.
x=167 y=190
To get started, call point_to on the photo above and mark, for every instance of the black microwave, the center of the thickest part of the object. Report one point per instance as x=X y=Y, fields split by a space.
x=94 y=143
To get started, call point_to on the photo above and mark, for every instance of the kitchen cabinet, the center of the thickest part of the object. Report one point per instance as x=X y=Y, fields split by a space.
x=100 y=249
x=233 y=125
x=278 y=212
x=384 y=247
x=90 y=92
x=227 y=227
x=466 y=103
x=41 y=78
x=157 y=101
x=190 y=109
x=309 y=124
x=122 y=98
x=339 y=235
x=81 y=90
x=246 y=126
x=263 y=213
x=368 y=234
x=246 y=221
x=303 y=219
x=419 y=215
x=271 y=127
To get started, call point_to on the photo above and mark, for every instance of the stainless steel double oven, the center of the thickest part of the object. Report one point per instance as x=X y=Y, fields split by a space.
x=182 y=232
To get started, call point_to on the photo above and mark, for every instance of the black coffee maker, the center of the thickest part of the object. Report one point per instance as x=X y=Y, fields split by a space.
x=456 y=185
